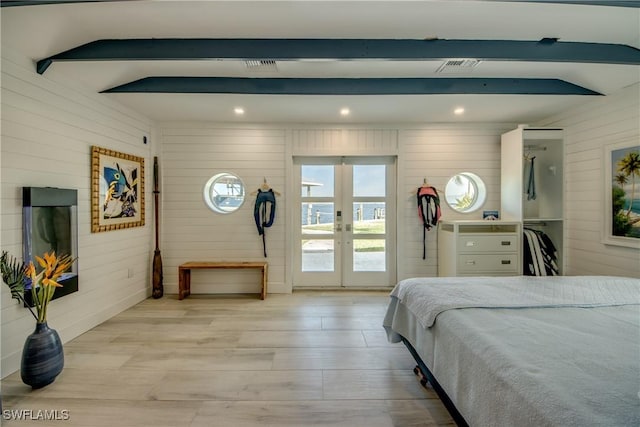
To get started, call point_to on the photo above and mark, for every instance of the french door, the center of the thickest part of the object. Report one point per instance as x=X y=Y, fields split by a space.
x=345 y=222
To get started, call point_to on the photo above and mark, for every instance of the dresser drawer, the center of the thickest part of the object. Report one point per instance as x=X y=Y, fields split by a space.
x=469 y=243
x=489 y=263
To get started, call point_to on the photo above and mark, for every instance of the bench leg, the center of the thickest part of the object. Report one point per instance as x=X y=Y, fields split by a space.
x=184 y=283
x=265 y=275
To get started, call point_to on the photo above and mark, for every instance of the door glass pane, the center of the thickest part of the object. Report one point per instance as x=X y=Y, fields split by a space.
x=369 y=180
x=317 y=218
x=369 y=255
x=317 y=180
x=368 y=218
x=317 y=255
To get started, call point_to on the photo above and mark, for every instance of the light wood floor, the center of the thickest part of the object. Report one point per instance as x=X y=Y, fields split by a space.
x=306 y=359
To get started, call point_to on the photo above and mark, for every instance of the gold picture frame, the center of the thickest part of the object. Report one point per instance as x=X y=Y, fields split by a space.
x=622 y=194
x=117 y=190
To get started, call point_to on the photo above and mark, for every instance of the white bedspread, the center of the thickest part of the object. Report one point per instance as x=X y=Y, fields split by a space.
x=527 y=351
x=428 y=297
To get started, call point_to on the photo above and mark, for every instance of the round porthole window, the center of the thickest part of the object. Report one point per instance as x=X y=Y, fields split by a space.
x=465 y=192
x=224 y=193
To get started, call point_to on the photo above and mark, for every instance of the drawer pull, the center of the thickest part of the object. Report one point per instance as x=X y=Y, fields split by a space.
x=505 y=243
x=506 y=261
x=471 y=262
x=471 y=243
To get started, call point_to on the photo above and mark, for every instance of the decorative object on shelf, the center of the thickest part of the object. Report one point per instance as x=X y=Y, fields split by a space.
x=42 y=355
x=491 y=215
x=117 y=190
x=157 y=286
x=622 y=211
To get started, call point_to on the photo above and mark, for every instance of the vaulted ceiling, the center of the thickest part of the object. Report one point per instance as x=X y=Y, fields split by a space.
x=303 y=61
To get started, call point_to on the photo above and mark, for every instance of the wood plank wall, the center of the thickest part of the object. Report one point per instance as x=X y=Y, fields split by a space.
x=194 y=152
x=436 y=153
x=47 y=133
x=588 y=130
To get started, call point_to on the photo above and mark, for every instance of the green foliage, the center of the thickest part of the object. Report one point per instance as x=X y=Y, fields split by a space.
x=13 y=275
x=620 y=222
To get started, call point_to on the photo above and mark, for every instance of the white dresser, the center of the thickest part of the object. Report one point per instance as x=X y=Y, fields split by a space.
x=479 y=248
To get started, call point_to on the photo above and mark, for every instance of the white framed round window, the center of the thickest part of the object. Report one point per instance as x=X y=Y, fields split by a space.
x=224 y=193
x=465 y=192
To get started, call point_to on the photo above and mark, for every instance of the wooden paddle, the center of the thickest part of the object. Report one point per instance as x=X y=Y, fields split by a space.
x=157 y=258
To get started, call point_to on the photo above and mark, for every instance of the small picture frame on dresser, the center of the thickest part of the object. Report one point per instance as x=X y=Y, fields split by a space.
x=490 y=215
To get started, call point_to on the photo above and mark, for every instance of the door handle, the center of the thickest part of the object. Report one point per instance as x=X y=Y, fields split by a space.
x=338 y=227
x=347 y=227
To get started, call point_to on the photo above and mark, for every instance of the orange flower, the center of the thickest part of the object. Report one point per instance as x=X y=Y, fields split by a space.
x=43 y=284
x=31 y=271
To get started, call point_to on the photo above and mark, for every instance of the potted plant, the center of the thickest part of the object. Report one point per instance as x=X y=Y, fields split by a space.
x=42 y=355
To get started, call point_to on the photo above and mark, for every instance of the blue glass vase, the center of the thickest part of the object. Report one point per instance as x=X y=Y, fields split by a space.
x=42 y=357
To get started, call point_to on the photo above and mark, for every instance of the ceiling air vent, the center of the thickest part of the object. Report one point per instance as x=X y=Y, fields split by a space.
x=457 y=65
x=261 y=65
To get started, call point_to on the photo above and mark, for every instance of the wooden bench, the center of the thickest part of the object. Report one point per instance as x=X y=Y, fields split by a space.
x=184 y=274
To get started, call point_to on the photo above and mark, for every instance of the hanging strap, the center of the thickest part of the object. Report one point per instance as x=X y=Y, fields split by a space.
x=424 y=242
x=264 y=229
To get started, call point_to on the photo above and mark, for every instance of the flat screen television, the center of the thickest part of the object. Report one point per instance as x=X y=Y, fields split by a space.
x=50 y=223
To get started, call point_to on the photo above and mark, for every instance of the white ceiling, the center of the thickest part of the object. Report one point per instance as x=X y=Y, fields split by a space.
x=45 y=30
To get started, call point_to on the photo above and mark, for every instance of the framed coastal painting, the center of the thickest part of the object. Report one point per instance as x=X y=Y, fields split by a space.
x=622 y=194
x=117 y=190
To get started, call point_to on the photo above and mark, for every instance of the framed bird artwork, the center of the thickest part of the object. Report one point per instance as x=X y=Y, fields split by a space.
x=117 y=190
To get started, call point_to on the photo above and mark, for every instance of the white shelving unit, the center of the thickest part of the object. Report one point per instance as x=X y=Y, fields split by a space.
x=479 y=248
x=545 y=212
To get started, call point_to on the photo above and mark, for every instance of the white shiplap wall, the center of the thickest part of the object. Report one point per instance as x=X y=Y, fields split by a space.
x=191 y=154
x=588 y=129
x=48 y=129
x=344 y=142
x=436 y=153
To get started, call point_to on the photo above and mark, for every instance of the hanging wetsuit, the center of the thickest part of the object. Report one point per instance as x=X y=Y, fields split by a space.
x=429 y=212
x=540 y=256
x=260 y=213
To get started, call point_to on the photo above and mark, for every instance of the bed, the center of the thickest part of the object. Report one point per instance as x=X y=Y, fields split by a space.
x=525 y=351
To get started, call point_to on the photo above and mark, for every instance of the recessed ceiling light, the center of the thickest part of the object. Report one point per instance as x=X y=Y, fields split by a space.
x=458 y=111
x=345 y=112
x=239 y=111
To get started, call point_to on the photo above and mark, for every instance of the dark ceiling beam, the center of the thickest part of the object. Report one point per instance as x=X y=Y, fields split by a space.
x=352 y=86
x=15 y=3
x=545 y=50
x=615 y=3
